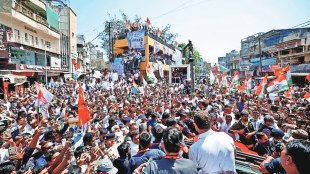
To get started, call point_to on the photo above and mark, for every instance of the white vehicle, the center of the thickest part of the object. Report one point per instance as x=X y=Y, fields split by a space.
x=179 y=73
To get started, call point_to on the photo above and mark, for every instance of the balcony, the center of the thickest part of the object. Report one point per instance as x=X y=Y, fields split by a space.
x=30 y=14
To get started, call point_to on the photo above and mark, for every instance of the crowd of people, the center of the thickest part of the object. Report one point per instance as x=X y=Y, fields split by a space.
x=151 y=129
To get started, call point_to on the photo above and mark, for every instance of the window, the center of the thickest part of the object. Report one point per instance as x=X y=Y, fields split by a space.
x=48 y=44
x=37 y=41
x=42 y=43
x=72 y=34
x=31 y=40
x=17 y=35
x=26 y=37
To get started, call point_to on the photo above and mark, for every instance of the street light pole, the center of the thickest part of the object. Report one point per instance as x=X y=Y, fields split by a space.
x=260 y=56
x=45 y=64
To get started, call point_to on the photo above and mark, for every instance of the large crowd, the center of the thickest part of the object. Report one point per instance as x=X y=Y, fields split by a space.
x=152 y=129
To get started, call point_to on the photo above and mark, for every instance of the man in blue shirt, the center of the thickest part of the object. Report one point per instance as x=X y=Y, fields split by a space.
x=145 y=153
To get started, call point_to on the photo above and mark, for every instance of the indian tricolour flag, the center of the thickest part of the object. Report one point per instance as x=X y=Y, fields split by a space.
x=150 y=76
x=249 y=85
x=224 y=83
x=212 y=77
x=307 y=96
x=288 y=75
x=260 y=89
x=278 y=85
x=236 y=77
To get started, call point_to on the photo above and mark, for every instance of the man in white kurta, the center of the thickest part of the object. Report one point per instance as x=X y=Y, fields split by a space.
x=214 y=151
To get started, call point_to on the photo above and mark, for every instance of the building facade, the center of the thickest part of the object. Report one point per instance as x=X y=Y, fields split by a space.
x=270 y=51
x=30 y=39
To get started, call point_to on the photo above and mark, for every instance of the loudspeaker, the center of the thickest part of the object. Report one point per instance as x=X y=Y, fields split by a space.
x=26 y=84
x=11 y=87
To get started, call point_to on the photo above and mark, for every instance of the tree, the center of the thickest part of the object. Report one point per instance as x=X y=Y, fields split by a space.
x=116 y=28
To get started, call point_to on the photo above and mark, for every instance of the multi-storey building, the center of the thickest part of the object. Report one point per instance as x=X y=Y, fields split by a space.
x=30 y=38
x=268 y=52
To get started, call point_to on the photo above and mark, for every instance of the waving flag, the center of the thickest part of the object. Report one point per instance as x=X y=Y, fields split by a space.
x=288 y=75
x=288 y=94
x=212 y=77
x=308 y=77
x=148 y=22
x=150 y=76
x=241 y=89
x=158 y=32
x=236 y=77
x=278 y=85
x=216 y=69
x=224 y=83
x=307 y=96
x=260 y=89
x=44 y=95
x=249 y=84
x=223 y=68
x=83 y=111
x=128 y=25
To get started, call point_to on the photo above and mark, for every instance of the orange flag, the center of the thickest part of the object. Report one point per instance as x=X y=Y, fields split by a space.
x=288 y=94
x=242 y=88
x=148 y=22
x=308 y=77
x=83 y=111
x=307 y=96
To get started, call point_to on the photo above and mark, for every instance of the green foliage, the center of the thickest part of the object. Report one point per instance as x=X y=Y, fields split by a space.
x=115 y=27
x=197 y=57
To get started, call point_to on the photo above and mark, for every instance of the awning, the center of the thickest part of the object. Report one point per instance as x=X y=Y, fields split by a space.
x=299 y=74
x=269 y=77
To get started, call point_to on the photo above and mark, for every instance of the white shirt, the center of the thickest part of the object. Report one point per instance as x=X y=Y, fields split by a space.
x=134 y=148
x=213 y=153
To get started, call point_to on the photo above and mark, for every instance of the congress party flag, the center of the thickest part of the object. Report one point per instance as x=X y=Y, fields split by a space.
x=83 y=111
x=278 y=85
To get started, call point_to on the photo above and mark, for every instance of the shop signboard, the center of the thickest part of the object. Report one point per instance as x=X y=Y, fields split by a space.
x=244 y=68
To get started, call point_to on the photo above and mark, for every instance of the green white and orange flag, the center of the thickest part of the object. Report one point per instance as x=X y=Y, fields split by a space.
x=288 y=94
x=150 y=76
x=307 y=96
x=278 y=85
x=288 y=75
x=212 y=77
x=236 y=77
x=224 y=83
x=260 y=89
x=282 y=71
x=249 y=85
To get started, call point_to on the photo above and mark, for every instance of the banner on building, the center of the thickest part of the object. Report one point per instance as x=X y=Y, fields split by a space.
x=118 y=66
x=52 y=17
x=156 y=47
x=6 y=6
x=136 y=40
x=160 y=69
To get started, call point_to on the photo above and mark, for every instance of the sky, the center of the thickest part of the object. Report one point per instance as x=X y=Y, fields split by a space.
x=214 y=26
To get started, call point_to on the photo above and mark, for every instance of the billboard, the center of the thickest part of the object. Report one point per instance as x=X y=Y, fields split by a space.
x=118 y=66
x=136 y=40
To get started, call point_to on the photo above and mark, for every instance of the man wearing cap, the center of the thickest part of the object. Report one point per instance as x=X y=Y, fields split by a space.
x=111 y=146
x=106 y=167
x=268 y=125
